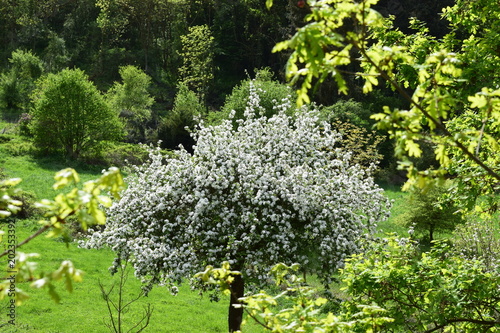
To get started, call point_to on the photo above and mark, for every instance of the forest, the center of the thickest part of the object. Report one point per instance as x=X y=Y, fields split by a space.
x=318 y=165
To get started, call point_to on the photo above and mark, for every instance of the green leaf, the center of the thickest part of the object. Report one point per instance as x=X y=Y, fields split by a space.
x=413 y=148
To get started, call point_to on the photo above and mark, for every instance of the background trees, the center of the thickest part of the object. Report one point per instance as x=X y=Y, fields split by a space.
x=271 y=190
x=70 y=114
x=197 y=53
x=132 y=102
x=17 y=84
x=176 y=126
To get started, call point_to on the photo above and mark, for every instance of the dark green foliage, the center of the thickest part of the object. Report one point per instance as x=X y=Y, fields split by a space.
x=28 y=208
x=70 y=114
x=117 y=154
x=17 y=83
x=24 y=123
x=16 y=145
x=56 y=55
x=348 y=111
x=431 y=211
x=6 y=138
x=174 y=127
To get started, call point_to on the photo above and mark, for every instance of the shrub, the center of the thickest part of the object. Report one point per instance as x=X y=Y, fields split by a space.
x=479 y=238
x=131 y=100
x=431 y=211
x=70 y=114
x=175 y=127
x=24 y=124
x=348 y=111
x=117 y=154
x=15 y=145
x=28 y=207
x=17 y=84
x=435 y=291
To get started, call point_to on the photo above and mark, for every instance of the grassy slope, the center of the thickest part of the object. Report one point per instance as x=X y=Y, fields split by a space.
x=84 y=310
x=398 y=205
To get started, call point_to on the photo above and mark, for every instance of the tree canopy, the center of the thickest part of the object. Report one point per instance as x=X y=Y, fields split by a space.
x=70 y=114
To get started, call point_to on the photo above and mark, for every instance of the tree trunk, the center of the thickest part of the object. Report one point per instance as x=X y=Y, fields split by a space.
x=235 y=315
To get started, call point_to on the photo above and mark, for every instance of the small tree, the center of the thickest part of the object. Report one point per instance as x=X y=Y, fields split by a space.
x=175 y=127
x=431 y=211
x=272 y=190
x=71 y=115
x=197 y=53
x=131 y=100
x=17 y=84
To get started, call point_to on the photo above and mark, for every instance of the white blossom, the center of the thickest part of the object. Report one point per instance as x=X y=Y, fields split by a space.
x=271 y=190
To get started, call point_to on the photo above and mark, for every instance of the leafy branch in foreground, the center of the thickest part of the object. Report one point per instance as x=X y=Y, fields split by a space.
x=454 y=99
x=423 y=292
x=407 y=291
x=85 y=204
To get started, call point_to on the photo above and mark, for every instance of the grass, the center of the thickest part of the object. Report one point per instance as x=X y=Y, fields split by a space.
x=84 y=310
x=397 y=197
x=37 y=174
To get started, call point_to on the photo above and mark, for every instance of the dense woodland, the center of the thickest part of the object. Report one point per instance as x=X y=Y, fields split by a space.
x=211 y=46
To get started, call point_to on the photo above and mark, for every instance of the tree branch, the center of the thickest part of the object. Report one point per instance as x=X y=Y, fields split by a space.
x=436 y=122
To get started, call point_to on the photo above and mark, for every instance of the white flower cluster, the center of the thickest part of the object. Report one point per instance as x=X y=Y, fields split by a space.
x=271 y=190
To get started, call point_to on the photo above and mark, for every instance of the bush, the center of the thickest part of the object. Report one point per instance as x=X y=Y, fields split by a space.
x=15 y=145
x=131 y=100
x=70 y=114
x=175 y=127
x=430 y=211
x=24 y=124
x=28 y=208
x=434 y=291
x=17 y=84
x=117 y=154
x=479 y=239
x=348 y=111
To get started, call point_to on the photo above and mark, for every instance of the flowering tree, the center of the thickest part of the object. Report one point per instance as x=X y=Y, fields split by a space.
x=272 y=190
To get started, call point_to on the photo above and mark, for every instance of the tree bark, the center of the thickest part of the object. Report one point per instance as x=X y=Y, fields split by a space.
x=235 y=315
